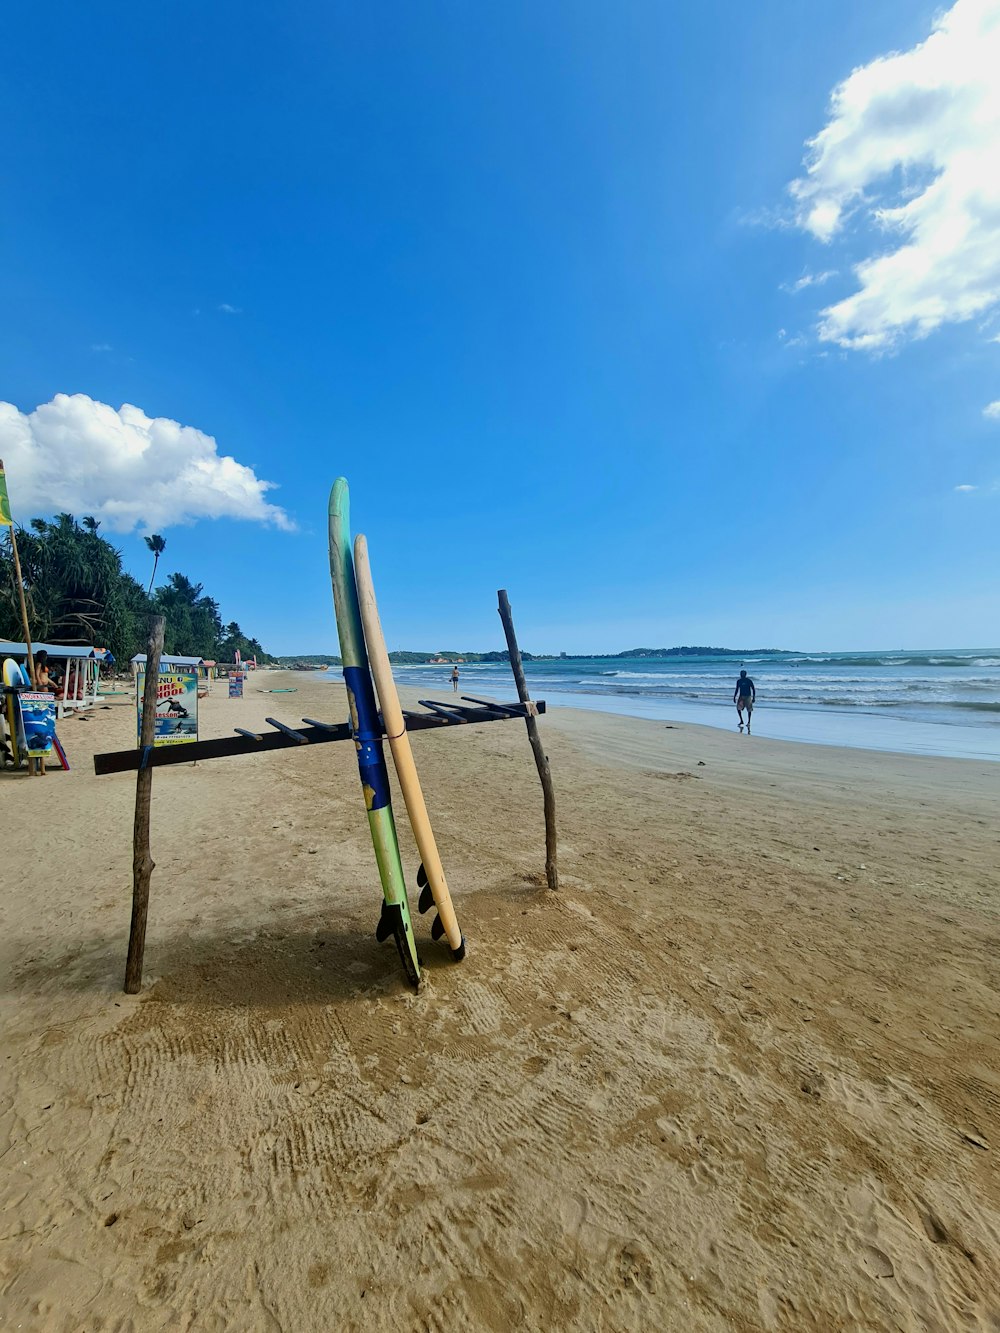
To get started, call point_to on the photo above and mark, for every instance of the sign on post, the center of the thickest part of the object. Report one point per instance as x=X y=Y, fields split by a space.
x=176 y=707
x=236 y=685
x=38 y=715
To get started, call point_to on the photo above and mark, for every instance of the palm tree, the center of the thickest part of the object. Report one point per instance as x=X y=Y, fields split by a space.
x=157 y=545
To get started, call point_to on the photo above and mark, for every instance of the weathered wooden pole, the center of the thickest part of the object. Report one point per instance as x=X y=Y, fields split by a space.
x=531 y=722
x=142 y=862
x=6 y=517
x=24 y=609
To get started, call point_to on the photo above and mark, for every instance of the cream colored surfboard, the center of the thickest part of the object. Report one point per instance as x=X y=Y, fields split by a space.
x=402 y=755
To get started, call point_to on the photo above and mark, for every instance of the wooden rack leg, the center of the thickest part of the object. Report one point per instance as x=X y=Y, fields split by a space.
x=541 y=758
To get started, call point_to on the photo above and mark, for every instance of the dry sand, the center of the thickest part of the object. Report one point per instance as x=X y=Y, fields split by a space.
x=742 y=1072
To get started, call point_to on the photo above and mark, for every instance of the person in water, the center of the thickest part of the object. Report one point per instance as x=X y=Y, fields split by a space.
x=744 y=696
x=454 y=678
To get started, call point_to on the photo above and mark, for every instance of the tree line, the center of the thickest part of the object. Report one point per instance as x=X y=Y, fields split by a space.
x=78 y=594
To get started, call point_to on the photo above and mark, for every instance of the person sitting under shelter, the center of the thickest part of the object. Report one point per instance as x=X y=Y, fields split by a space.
x=44 y=681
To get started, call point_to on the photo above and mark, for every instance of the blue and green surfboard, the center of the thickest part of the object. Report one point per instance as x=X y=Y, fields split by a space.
x=395 y=918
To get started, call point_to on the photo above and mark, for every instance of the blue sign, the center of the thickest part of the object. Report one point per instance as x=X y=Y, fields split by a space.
x=38 y=714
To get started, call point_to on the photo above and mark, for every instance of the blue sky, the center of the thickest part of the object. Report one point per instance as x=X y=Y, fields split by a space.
x=524 y=274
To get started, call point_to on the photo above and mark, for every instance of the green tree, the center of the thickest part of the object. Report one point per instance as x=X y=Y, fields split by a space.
x=77 y=593
x=157 y=545
x=194 y=625
x=75 y=588
x=234 y=640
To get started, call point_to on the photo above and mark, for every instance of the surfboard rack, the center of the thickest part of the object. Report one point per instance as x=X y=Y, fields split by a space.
x=296 y=736
x=448 y=715
x=312 y=732
x=515 y=710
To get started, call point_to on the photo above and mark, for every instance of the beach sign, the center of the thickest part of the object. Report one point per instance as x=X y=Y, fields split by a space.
x=236 y=685
x=38 y=717
x=176 y=707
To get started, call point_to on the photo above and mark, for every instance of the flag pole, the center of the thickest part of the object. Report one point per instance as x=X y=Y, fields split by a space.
x=5 y=518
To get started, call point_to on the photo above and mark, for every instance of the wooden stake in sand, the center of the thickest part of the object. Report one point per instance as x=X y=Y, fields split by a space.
x=7 y=520
x=142 y=862
x=36 y=764
x=541 y=758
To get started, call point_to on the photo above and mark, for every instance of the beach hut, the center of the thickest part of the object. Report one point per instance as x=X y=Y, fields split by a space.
x=80 y=668
x=196 y=664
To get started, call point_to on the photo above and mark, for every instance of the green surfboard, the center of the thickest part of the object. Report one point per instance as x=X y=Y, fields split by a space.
x=395 y=919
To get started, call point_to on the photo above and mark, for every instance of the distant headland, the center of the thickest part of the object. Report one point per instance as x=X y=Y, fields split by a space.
x=403 y=657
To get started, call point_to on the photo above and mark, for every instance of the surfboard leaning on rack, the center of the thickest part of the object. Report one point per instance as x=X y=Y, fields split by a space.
x=430 y=878
x=395 y=919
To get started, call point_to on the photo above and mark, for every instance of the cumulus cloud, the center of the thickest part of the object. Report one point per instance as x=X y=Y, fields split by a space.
x=127 y=469
x=992 y=410
x=965 y=488
x=912 y=145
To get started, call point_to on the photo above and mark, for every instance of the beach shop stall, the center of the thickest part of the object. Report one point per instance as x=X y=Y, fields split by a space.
x=196 y=664
x=78 y=666
x=106 y=659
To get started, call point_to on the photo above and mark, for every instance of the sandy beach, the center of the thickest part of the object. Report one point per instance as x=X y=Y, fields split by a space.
x=741 y=1072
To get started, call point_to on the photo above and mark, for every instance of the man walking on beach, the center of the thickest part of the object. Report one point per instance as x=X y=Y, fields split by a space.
x=744 y=696
x=454 y=679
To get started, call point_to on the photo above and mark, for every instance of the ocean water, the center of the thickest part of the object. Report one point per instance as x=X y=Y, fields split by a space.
x=944 y=702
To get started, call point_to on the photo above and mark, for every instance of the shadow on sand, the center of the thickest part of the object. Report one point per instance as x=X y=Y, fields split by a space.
x=294 y=961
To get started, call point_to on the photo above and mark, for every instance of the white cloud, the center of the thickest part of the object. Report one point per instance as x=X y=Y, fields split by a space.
x=913 y=146
x=228 y=309
x=809 y=280
x=791 y=340
x=965 y=488
x=127 y=469
x=992 y=410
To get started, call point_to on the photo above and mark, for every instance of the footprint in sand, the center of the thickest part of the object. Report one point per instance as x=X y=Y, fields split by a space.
x=877 y=1262
x=635 y=1268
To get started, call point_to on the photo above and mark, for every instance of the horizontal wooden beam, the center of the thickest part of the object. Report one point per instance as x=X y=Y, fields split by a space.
x=289 y=738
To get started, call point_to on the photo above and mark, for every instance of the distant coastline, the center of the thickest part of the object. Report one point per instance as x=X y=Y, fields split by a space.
x=405 y=657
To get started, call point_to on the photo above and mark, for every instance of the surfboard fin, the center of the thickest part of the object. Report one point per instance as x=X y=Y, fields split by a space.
x=392 y=924
x=387 y=922
x=437 y=930
x=426 y=900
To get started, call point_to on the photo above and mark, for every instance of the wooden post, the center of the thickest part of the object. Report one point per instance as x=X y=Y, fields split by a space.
x=142 y=861
x=20 y=591
x=541 y=758
x=35 y=765
x=24 y=609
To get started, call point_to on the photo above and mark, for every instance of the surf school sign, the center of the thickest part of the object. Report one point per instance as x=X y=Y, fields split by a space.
x=38 y=715
x=176 y=707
